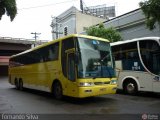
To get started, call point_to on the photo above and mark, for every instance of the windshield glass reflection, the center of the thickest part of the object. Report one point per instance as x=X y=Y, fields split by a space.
x=95 y=59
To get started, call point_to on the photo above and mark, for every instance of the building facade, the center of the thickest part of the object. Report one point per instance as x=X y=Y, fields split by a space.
x=132 y=25
x=72 y=21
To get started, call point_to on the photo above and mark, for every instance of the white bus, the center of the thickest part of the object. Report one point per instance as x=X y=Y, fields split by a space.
x=138 y=64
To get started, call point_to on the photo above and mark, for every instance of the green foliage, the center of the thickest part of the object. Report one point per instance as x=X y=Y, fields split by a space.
x=8 y=7
x=107 y=33
x=151 y=10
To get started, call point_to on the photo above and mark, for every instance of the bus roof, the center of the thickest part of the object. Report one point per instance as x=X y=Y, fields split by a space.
x=136 y=39
x=60 y=39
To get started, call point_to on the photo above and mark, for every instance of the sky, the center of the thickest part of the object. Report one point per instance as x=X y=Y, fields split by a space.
x=36 y=15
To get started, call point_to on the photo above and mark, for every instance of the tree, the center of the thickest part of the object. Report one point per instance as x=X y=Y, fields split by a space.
x=107 y=33
x=151 y=10
x=8 y=7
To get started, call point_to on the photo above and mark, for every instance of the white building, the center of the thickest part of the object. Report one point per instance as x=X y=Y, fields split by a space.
x=72 y=21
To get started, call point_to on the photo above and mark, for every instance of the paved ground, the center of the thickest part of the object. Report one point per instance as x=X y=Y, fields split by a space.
x=36 y=102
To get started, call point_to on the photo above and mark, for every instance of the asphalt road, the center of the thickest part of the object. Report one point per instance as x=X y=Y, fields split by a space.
x=37 y=102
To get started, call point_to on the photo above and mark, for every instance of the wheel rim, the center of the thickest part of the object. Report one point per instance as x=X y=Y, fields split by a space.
x=130 y=88
x=58 y=91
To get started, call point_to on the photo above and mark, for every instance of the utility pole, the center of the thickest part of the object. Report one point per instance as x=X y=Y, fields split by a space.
x=56 y=28
x=81 y=5
x=35 y=36
x=55 y=24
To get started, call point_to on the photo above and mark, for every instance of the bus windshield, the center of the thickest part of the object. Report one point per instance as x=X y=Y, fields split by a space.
x=150 y=54
x=95 y=59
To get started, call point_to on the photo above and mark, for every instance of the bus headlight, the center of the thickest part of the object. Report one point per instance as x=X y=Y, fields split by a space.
x=113 y=82
x=85 y=84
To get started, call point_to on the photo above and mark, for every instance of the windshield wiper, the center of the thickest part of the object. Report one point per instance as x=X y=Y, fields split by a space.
x=102 y=60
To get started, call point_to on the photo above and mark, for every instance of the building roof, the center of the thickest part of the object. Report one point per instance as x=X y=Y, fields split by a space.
x=123 y=15
x=71 y=11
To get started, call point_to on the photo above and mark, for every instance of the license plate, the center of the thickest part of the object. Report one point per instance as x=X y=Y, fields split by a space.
x=103 y=89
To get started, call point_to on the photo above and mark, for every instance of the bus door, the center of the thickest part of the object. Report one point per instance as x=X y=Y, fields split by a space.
x=156 y=66
x=71 y=74
x=150 y=54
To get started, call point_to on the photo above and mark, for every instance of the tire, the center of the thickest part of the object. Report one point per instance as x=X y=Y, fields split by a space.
x=20 y=84
x=57 y=90
x=16 y=84
x=130 y=87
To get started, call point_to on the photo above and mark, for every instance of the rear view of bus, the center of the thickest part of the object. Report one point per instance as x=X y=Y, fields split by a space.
x=138 y=63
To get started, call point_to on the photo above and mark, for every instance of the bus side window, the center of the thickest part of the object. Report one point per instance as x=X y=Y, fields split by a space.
x=53 y=51
x=50 y=52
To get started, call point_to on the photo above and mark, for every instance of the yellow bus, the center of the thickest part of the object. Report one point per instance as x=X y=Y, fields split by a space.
x=76 y=65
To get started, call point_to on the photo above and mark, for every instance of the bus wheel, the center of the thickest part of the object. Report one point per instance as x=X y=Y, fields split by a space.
x=57 y=90
x=20 y=84
x=130 y=87
x=16 y=84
